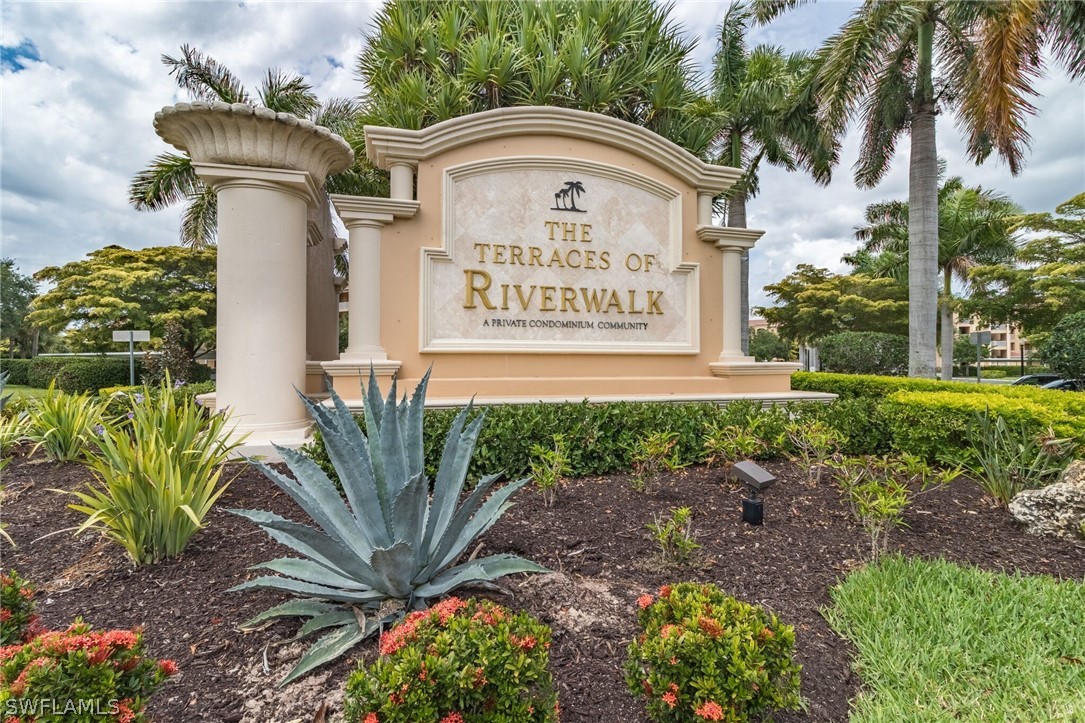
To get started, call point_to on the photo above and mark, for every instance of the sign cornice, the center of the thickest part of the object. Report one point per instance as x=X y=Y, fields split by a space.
x=389 y=146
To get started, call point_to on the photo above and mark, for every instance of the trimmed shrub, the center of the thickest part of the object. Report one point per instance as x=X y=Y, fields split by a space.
x=864 y=352
x=458 y=661
x=859 y=421
x=702 y=656
x=77 y=374
x=18 y=371
x=934 y=425
x=77 y=674
x=18 y=623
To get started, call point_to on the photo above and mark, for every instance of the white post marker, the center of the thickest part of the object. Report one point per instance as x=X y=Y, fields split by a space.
x=132 y=336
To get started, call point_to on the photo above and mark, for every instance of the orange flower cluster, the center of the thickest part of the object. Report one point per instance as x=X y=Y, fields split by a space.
x=644 y=601
x=527 y=642
x=710 y=711
x=711 y=628
x=452 y=718
x=394 y=639
x=671 y=696
x=665 y=591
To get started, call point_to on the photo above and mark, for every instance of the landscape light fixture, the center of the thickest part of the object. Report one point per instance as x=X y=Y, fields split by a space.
x=758 y=480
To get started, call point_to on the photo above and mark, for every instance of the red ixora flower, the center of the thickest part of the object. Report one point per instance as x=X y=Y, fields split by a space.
x=670 y=699
x=710 y=710
x=452 y=718
x=371 y=718
x=168 y=667
x=665 y=591
x=644 y=601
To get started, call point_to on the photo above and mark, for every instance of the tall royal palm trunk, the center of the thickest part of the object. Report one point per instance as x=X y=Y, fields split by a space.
x=923 y=219
x=736 y=218
x=948 y=329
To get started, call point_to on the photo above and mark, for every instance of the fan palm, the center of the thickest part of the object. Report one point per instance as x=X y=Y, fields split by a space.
x=974 y=228
x=893 y=65
x=427 y=62
x=170 y=179
x=766 y=114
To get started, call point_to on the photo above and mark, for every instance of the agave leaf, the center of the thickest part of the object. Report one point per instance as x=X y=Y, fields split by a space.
x=309 y=571
x=291 y=609
x=328 y=648
x=483 y=519
x=447 y=487
x=332 y=618
x=484 y=570
x=374 y=407
x=308 y=589
x=395 y=565
x=391 y=448
x=413 y=442
x=454 y=529
x=314 y=492
x=313 y=544
x=409 y=515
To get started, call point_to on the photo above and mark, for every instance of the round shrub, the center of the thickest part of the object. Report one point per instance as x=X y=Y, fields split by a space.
x=1064 y=350
x=18 y=371
x=864 y=352
x=81 y=674
x=704 y=656
x=458 y=661
x=18 y=623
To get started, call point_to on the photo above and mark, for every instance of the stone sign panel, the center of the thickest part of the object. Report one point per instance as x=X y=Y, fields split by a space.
x=558 y=255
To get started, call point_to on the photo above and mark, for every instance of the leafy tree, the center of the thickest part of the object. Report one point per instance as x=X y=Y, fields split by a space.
x=427 y=62
x=766 y=345
x=964 y=351
x=1064 y=351
x=864 y=352
x=894 y=65
x=1046 y=283
x=16 y=292
x=767 y=115
x=116 y=288
x=974 y=227
x=170 y=178
x=812 y=303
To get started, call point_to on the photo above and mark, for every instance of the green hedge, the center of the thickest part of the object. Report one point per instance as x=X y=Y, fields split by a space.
x=78 y=374
x=18 y=371
x=864 y=352
x=600 y=437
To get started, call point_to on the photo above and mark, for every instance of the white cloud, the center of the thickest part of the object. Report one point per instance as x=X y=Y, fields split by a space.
x=76 y=125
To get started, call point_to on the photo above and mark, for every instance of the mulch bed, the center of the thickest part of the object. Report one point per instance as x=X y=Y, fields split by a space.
x=594 y=538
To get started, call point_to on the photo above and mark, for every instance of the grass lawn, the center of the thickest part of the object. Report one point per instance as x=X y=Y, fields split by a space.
x=941 y=642
x=18 y=392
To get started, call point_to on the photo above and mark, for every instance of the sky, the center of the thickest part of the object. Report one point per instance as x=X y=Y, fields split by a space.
x=80 y=83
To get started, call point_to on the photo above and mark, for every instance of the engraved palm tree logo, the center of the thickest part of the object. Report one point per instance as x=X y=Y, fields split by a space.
x=565 y=199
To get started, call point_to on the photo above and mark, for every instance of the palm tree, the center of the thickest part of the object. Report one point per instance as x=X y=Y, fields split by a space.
x=975 y=227
x=767 y=115
x=426 y=62
x=881 y=68
x=170 y=178
x=574 y=189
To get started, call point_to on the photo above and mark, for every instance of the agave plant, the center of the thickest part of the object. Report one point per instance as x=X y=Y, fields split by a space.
x=389 y=546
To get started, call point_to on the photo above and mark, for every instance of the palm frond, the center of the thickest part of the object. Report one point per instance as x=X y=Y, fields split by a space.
x=285 y=93
x=169 y=179
x=886 y=113
x=199 y=222
x=205 y=78
x=766 y=10
x=1064 y=24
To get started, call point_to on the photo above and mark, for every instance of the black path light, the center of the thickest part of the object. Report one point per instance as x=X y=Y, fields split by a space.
x=758 y=479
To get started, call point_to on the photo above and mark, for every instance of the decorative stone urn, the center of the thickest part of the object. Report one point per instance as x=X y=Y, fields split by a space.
x=267 y=169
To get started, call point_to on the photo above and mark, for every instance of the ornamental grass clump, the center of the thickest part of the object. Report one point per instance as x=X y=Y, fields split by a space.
x=64 y=425
x=79 y=675
x=704 y=656
x=459 y=661
x=388 y=547
x=18 y=623
x=158 y=471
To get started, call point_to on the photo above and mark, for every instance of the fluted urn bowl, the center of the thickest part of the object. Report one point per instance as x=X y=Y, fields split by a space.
x=243 y=135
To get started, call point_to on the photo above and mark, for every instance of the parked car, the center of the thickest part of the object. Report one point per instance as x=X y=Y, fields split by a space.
x=1067 y=385
x=1037 y=379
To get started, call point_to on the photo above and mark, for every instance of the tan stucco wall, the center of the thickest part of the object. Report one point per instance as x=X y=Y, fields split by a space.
x=529 y=374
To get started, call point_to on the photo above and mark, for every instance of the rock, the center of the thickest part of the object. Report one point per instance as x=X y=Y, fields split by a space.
x=1057 y=510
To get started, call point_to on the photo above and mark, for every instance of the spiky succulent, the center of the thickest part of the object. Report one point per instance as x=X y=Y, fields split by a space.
x=388 y=540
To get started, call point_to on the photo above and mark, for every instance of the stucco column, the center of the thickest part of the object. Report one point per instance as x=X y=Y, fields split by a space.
x=267 y=169
x=364 y=316
x=401 y=181
x=704 y=208
x=732 y=303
